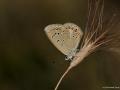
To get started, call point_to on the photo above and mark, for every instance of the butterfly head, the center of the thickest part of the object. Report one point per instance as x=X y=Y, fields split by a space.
x=71 y=54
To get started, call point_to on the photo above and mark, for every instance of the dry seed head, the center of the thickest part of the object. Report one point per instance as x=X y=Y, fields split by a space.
x=96 y=36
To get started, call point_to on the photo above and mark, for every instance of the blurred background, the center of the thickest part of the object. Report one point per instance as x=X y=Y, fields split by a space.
x=28 y=61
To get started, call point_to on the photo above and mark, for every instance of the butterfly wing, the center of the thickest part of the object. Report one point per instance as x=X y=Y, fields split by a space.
x=75 y=35
x=64 y=37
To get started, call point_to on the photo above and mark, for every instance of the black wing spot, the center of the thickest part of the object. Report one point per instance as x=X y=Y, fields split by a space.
x=72 y=28
x=75 y=30
x=58 y=40
x=69 y=27
x=54 y=35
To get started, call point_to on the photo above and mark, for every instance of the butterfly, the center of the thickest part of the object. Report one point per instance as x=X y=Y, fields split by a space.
x=65 y=37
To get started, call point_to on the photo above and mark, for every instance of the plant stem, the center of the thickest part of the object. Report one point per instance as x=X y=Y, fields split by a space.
x=64 y=74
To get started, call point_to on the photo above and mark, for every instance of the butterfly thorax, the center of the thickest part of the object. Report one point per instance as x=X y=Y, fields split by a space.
x=71 y=54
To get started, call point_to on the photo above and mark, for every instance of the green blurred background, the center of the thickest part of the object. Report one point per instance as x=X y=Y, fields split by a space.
x=28 y=61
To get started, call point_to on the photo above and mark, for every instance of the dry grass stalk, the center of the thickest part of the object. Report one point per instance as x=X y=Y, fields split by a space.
x=96 y=35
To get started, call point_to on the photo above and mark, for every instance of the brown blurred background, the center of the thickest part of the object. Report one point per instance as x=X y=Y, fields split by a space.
x=28 y=61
